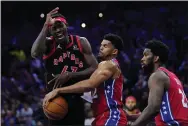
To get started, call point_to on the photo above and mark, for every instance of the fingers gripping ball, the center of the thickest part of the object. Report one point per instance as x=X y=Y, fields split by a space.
x=56 y=109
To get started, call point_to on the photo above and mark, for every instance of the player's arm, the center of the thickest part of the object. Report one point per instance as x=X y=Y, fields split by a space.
x=89 y=58
x=104 y=71
x=39 y=46
x=156 y=84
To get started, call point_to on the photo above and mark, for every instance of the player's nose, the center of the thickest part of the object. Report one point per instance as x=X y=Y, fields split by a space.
x=142 y=60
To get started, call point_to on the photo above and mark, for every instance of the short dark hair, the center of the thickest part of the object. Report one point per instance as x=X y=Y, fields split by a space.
x=158 y=48
x=59 y=15
x=116 y=41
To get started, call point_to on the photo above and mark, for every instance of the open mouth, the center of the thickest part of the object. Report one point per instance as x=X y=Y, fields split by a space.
x=100 y=53
x=60 y=35
x=142 y=65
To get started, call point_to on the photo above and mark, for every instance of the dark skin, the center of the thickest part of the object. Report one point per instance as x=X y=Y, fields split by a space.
x=106 y=69
x=91 y=61
x=59 y=31
x=39 y=46
x=158 y=82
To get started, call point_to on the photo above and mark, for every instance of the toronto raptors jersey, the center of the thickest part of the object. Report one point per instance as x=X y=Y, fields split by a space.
x=61 y=59
x=107 y=102
x=174 y=107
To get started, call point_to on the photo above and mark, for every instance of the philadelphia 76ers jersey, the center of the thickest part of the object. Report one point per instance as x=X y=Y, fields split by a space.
x=107 y=104
x=174 y=107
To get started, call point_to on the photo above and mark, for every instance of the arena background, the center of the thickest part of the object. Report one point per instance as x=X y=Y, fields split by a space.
x=22 y=81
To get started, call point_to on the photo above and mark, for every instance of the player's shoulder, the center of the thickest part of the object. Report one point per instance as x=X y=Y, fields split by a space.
x=85 y=45
x=83 y=41
x=81 y=38
x=159 y=75
x=107 y=64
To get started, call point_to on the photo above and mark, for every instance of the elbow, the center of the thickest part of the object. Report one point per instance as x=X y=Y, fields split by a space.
x=157 y=108
x=154 y=109
x=33 y=54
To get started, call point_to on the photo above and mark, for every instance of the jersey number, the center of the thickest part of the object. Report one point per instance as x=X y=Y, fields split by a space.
x=73 y=68
x=184 y=99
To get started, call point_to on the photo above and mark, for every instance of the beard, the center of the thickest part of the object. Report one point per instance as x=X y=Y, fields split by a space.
x=148 y=69
x=131 y=109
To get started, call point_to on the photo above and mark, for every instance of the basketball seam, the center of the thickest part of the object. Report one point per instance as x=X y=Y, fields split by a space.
x=53 y=112
x=58 y=114
x=60 y=105
x=50 y=116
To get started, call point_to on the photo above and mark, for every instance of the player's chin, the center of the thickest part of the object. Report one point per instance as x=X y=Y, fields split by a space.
x=99 y=58
x=100 y=55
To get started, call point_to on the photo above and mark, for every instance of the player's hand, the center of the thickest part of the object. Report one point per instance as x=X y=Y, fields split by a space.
x=59 y=80
x=49 y=19
x=50 y=96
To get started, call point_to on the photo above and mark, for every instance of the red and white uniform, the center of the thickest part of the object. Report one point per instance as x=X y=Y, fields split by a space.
x=174 y=107
x=107 y=104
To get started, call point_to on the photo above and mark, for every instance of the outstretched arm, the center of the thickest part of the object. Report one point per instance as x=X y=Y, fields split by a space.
x=156 y=84
x=104 y=71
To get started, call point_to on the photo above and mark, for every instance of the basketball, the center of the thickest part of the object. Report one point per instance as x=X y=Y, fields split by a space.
x=56 y=109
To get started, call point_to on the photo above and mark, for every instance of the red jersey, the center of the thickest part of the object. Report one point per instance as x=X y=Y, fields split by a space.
x=174 y=107
x=108 y=105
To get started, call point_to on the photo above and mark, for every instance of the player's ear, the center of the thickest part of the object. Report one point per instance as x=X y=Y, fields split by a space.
x=115 y=51
x=156 y=59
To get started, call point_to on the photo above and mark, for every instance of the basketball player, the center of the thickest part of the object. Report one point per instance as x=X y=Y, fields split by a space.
x=68 y=59
x=167 y=100
x=107 y=81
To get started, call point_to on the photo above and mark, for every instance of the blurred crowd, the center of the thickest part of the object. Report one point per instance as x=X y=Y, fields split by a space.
x=22 y=81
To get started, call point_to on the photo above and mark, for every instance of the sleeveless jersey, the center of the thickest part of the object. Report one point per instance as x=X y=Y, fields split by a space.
x=59 y=59
x=174 y=107
x=108 y=101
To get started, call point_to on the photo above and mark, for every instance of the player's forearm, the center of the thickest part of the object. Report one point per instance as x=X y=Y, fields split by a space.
x=80 y=87
x=85 y=74
x=146 y=116
x=39 y=45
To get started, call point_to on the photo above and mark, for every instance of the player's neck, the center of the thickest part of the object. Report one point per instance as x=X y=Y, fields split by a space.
x=110 y=58
x=156 y=66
